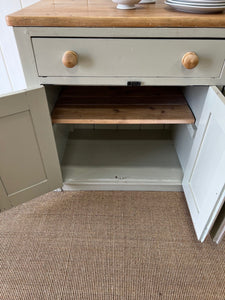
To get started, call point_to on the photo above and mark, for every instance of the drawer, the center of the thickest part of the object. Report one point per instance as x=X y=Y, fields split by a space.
x=108 y=57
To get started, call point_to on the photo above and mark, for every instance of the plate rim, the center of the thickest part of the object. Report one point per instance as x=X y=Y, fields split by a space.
x=192 y=4
x=197 y=9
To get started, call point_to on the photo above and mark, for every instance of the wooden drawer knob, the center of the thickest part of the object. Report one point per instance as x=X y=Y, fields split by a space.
x=190 y=60
x=70 y=59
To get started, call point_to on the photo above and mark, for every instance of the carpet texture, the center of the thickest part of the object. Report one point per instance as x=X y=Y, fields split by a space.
x=107 y=246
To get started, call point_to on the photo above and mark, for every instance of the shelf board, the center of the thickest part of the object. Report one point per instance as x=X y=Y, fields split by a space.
x=122 y=105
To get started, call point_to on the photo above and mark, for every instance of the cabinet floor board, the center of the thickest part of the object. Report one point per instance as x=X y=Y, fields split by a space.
x=121 y=164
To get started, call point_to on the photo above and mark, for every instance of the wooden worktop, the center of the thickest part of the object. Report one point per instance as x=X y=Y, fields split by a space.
x=103 y=13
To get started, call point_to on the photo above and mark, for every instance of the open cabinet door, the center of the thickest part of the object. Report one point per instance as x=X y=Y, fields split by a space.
x=204 y=176
x=29 y=164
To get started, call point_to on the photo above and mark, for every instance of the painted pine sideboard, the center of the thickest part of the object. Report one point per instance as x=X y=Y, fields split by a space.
x=163 y=72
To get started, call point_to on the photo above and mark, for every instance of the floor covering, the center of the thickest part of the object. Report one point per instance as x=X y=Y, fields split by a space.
x=107 y=246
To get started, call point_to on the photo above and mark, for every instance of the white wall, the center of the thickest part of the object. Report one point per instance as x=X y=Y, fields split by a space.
x=11 y=73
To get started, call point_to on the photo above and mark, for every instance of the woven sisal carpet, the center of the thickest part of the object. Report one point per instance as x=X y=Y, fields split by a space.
x=107 y=246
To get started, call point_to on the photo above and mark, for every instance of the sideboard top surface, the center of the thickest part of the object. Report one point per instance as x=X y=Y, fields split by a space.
x=103 y=13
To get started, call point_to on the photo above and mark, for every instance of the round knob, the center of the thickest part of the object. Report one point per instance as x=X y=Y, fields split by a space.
x=70 y=59
x=190 y=60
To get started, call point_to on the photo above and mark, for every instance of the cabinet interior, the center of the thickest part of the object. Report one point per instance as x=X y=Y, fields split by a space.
x=107 y=141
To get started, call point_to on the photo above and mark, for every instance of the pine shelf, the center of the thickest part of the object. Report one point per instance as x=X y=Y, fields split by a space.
x=122 y=105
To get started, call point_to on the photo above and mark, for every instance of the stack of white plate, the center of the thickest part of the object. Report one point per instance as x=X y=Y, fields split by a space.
x=197 y=6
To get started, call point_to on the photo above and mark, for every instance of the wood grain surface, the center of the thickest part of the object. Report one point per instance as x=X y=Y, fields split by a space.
x=122 y=105
x=103 y=13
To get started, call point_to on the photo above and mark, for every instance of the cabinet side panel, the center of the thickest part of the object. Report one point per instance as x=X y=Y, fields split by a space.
x=25 y=49
x=195 y=97
x=184 y=134
x=183 y=139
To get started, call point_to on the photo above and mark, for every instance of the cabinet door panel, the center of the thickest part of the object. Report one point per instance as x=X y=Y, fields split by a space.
x=18 y=128
x=204 y=177
x=204 y=169
x=29 y=164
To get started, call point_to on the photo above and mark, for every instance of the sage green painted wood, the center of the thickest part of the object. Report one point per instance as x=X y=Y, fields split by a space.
x=184 y=134
x=128 y=57
x=156 y=32
x=218 y=231
x=204 y=181
x=23 y=36
x=17 y=130
x=122 y=81
x=29 y=164
x=52 y=94
x=61 y=133
x=106 y=159
x=27 y=58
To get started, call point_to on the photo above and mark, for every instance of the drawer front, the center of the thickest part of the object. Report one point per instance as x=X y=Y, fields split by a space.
x=107 y=57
